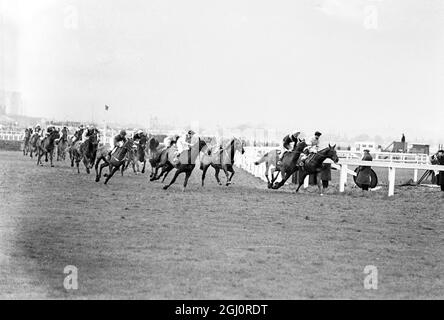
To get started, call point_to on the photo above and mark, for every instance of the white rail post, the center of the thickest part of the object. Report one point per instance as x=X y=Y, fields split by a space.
x=306 y=182
x=391 y=178
x=415 y=175
x=343 y=177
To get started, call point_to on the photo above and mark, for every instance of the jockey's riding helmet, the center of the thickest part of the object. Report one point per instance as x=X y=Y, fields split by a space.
x=191 y=132
x=296 y=135
x=318 y=134
x=122 y=132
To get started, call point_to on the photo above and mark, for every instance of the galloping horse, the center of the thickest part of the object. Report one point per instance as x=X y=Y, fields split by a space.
x=157 y=157
x=313 y=165
x=26 y=141
x=45 y=146
x=85 y=151
x=187 y=161
x=222 y=159
x=33 y=143
x=287 y=167
x=62 y=145
x=137 y=154
x=115 y=161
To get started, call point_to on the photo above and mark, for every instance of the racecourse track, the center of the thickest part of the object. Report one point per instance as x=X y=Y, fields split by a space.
x=131 y=239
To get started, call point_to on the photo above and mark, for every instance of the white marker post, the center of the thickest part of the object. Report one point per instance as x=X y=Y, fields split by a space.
x=391 y=177
x=343 y=177
x=415 y=175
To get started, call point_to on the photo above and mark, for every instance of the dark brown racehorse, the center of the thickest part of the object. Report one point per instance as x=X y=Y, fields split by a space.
x=137 y=155
x=114 y=161
x=222 y=159
x=314 y=165
x=156 y=152
x=47 y=146
x=288 y=164
x=187 y=161
x=86 y=151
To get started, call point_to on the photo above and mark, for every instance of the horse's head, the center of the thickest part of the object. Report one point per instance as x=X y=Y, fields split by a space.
x=128 y=145
x=202 y=144
x=54 y=135
x=153 y=143
x=300 y=146
x=330 y=153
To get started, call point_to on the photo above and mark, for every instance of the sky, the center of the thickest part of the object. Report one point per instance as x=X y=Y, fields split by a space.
x=340 y=66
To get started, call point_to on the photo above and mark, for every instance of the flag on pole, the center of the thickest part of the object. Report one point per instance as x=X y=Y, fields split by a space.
x=106 y=107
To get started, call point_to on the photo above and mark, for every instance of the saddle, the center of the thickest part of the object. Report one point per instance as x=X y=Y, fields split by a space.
x=304 y=162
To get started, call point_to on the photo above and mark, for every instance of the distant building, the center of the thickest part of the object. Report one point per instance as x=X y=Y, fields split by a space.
x=11 y=103
x=360 y=146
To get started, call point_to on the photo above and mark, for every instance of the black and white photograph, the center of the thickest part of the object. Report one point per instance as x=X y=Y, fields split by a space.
x=235 y=150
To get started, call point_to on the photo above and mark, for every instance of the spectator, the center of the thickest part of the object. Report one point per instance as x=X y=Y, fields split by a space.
x=364 y=172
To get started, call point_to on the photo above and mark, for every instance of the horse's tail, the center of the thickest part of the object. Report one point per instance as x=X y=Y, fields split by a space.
x=262 y=160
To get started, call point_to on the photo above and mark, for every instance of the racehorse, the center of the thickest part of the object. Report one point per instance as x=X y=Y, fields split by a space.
x=157 y=157
x=314 y=165
x=287 y=167
x=222 y=159
x=45 y=146
x=187 y=161
x=85 y=151
x=114 y=161
x=27 y=141
x=136 y=155
x=62 y=145
x=33 y=143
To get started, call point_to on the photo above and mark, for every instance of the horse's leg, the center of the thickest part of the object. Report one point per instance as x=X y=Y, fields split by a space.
x=216 y=174
x=285 y=176
x=86 y=164
x=231 y=169
x=114 y=169
x=96 y=167
x=71 y=156
x=320 y=185
x=204 y=172
x=78 y=164
x=174 y=179
x=51 y=155
x=144 y=165
x=167 y=171
x=154 y=174
x=187 y=176
x=225 y=170
x=301 y=180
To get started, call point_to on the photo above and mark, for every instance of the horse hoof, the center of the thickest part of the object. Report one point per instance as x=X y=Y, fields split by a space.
x=52 y=166
x=97 y=179
x=166 y=187
x=143 y=171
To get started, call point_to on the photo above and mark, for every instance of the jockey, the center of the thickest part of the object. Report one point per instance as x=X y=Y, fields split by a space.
x=184 y=143
x=38 y=130
x=171 y=140
x=288 y=139
x=312 y=147
x=138 y=135
x=64 y=133
x=87 y=133
x=49 y=130
x=78 y=134
x=119 y=140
